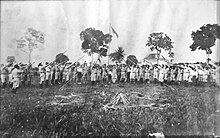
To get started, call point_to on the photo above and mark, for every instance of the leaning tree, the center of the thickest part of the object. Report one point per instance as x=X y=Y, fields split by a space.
x=30 y=41
x=159 y=42
x=95 y=41
x=204 y=38
x=118 y=55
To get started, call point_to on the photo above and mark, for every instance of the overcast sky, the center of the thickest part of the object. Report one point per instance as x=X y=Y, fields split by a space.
x=62 y=23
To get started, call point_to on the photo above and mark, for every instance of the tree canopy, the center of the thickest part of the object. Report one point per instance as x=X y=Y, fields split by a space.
x=31 y=40
x=61 y=58
x=118 y=55
x=205 y=37
x=10 y=59
x=159 y=42
x=95 y=41
x=131 y=60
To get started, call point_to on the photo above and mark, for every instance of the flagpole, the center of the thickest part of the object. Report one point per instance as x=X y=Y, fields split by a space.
x=109 y=43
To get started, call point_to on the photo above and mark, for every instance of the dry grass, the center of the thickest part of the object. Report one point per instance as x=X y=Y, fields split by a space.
x=176 y=111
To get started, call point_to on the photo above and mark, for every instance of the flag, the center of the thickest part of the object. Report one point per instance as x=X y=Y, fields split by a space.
x=113 y=30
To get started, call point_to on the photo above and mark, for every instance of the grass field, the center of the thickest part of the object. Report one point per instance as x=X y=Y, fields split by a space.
x=174 y=110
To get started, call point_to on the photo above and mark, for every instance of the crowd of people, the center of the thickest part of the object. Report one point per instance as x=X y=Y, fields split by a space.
x=16 y=75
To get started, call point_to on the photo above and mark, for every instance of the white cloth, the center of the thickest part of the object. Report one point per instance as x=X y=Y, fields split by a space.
x=15 y=75
x=93 y=74
x=161 y=75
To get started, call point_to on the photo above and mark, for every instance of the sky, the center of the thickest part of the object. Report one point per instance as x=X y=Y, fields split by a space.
x=134 y=21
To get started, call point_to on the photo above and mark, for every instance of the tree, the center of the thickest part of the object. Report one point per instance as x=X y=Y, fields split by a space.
x=204 y=38
x=31 y=40
x=118 y=55
x=95 y=41
x=10 y=59
x=61 y=58
x=159 y=42
x=217 y=63
x=131 y=60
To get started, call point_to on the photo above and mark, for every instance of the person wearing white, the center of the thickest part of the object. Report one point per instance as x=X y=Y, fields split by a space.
x=146 y=74
x=42 y=75
x=205 y=75
x=132 y=75
x=137 y=73
x=47 y=77
x=186 y=72
x=10 y=80
x=16 y=80
x=166 y=70
x=123 y=69
x=155 y=74
x=4 y=72
x=114 y=74
x=57 y=72
x=128 y=73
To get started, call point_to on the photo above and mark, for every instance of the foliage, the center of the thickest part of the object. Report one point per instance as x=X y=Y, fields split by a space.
x=217 y=63
x=10 y=59
x=118 y=55
x=159 y=42
x=61 y=58
x=95 y=41
x=31 y=40
x=204 y=38
x=131 y=60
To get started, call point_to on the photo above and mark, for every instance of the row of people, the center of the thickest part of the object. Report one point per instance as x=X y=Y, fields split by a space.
x=146 y=73
x=54 y=74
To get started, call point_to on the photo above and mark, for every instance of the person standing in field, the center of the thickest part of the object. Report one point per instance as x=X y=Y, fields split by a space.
x=10 y=79
x=16 y=78
x=104 y=74
x=128 y=72
x=99 y=74
x=118 y=69
x=155 y=73
x=161 y=74
x=147 y=73
x=109 y=74
x=29 y=76
x=56 y=75
x=179 y=75
x=93 y=75
x=186 y=74
x=114 y=74
x=42 y=74
x=123 y=69
x=166 y=70
x=4 y=73
x=52 y=75
x=132 y=75
x=48 y=72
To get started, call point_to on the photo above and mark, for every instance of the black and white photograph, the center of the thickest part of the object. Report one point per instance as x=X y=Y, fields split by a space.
x=110 y=68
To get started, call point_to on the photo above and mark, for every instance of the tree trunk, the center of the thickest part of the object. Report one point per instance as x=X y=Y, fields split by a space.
x=92 y=59
x=207 y=57
x=29 y=58
x=158 y=56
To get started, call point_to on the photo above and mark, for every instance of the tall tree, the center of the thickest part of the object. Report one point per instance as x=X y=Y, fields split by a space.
x=95 y=41
x=159 y=42
x=118 y=55
x=31 y=40
x=131 y=60
x=10 y=59
x=204 y=38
